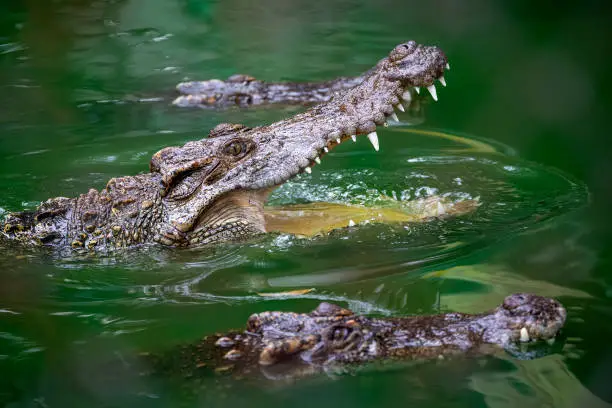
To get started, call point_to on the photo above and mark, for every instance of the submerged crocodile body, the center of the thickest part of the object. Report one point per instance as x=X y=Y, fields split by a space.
x=284 y=345
x=214 y=189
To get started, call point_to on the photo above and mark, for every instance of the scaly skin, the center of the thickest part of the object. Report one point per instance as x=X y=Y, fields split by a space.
x=214 y=189
x=284 y=345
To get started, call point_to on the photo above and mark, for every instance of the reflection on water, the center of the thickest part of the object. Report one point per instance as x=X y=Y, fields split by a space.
x=543 y=382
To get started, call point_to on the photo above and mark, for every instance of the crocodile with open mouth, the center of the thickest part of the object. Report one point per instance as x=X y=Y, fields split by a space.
x=213 y=190
x=286 y=345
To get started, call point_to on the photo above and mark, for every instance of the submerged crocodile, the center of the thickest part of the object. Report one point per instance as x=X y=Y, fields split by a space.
x=214 y=189
x=285 y=345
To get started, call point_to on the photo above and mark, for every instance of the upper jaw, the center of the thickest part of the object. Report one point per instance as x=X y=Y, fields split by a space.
x=295 y=145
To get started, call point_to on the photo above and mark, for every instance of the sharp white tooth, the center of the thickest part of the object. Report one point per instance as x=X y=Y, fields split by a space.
x=318 y=160
x=351 y=223
x=373 y=138
x=338 y=140
x=394 y=117
x=308 y=170
x=325 y=149
x=407 y=96
x=442 y=81
x=354 y=137
x=418 y=89
x=400 y=107
x=524 y=335
x=432 y=90
x=447 y=66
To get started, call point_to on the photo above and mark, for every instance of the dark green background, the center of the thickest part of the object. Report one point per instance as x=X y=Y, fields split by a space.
x=532 y=76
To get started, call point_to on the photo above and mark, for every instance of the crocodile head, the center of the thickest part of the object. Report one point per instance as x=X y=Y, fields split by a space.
x=524 y=317
x=194 y=189
x=214 y=189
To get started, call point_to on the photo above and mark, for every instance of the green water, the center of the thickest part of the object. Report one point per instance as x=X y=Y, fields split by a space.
x=526 y=106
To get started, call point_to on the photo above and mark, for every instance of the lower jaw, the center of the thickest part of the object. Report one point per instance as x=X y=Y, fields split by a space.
x=235 y=216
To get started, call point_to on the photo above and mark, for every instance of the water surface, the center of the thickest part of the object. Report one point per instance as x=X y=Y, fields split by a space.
x=505 y=132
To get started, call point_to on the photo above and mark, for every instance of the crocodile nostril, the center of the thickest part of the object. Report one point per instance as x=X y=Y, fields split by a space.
x=516 y=300
x=410 y=45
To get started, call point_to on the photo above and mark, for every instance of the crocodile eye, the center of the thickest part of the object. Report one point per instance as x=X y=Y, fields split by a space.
x=235 y=148
x=342 y=337
x=340 y=334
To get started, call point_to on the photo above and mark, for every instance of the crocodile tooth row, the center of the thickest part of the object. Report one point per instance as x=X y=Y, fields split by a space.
x=373 y=136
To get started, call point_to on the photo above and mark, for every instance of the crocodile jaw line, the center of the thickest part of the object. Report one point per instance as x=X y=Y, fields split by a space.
x=336 y=138
x=355 y=112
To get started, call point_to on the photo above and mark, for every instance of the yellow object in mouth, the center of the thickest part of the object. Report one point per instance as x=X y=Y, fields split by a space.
x=320 y=218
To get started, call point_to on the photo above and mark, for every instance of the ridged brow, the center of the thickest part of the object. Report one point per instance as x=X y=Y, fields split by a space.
x=170 y=178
